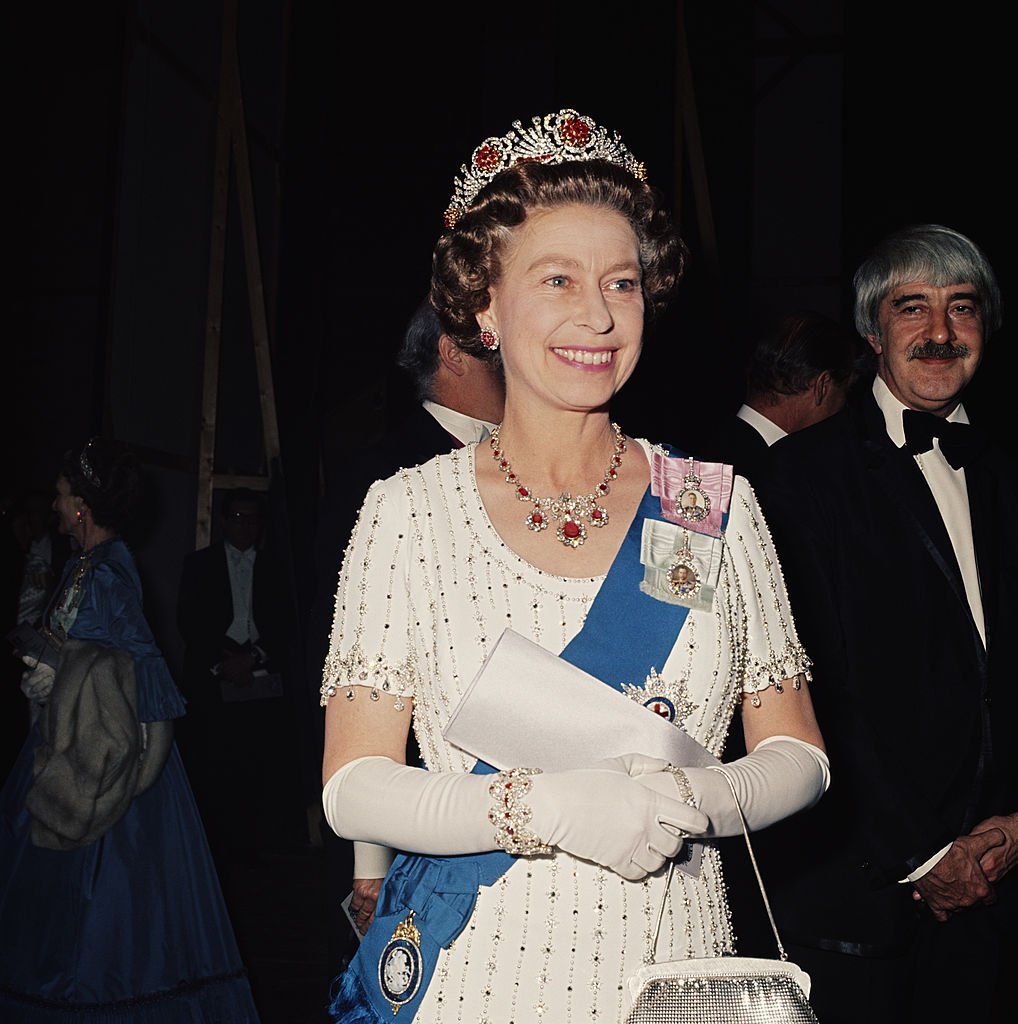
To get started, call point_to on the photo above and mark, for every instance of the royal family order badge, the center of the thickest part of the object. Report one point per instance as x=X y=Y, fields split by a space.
x=692 y=504
x=400 y=966
x=683 y=576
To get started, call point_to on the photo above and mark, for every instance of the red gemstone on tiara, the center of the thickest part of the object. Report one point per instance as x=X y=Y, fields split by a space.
x=575 y=131
x=487 y=157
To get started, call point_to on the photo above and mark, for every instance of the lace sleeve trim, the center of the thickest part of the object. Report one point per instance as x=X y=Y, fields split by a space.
x=791 y=663
x=358 y=670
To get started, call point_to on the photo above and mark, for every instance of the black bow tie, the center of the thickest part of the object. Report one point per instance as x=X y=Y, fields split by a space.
x=958 y=441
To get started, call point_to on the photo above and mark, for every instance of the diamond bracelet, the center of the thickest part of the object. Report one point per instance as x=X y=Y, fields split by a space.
x=686 y=794
x=510 y=815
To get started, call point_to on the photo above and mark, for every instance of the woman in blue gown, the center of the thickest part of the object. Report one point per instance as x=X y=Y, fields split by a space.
x=129 y=926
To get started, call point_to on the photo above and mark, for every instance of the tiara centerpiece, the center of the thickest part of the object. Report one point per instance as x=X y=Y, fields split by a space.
x=552 y=139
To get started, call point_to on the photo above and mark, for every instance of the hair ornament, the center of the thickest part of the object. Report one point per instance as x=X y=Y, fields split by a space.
x=87 y=469
x=553 y=139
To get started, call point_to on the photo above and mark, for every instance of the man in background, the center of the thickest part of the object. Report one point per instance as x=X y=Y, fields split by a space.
x=238 y=739
x=894 y=522
x=799 y=372
x=459 y=399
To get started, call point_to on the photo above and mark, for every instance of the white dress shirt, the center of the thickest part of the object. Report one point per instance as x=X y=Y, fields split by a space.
x=464 y=428
x=949 y=491
x=241 y=566
x=769 y=431
x=951 y=495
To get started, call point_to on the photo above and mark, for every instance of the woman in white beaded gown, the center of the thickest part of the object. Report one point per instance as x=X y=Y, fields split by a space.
x=522 y=894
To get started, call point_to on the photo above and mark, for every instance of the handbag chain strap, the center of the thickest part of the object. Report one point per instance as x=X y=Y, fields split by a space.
x=782 y=955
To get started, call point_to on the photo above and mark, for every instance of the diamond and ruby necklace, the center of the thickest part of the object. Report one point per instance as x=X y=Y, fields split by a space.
x=572 y=514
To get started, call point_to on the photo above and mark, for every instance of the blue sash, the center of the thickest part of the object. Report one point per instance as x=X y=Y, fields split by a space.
x=626 y=632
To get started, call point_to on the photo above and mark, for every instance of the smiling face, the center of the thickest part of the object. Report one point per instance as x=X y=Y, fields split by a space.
x=569 y=308
x=930 y=343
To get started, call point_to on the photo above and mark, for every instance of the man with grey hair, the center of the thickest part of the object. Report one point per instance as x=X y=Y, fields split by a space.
x=895 y=524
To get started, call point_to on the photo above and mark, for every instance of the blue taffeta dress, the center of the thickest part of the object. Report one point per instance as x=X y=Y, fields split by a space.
x=133 y=928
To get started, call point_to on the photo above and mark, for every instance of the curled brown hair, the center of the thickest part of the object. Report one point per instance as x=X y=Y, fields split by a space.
x=107 y=476
x=467 y=261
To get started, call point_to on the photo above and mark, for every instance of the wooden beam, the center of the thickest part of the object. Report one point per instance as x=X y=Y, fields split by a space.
x=217 y=266
x=694 y=148
x=225 y=481
x=252 y=260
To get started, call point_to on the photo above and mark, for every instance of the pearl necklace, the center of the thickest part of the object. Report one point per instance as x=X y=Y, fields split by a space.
x=571 y=513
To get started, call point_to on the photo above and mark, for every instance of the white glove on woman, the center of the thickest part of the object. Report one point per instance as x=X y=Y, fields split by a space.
x=373 y=799
x=599 y=814
x=370 y=861
x=782 y=775
x=37 y=680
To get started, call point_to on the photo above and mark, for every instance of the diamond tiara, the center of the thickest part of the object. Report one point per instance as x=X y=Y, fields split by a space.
x=553 y=139
x=87 y=469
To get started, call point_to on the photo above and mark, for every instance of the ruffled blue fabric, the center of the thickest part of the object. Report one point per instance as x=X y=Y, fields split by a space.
x=224 y=1000
x=441 y=893
x=159 y=699
x=111 y=614
x=349 y=1001
x=133 y=928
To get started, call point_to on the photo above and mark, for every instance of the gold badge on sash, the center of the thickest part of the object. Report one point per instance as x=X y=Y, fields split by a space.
x=400 y=967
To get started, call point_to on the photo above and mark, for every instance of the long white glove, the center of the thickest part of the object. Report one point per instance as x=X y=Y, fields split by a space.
x=371 y=861
x=782 y=775
x=37 y=680
x=598 y=814
x=373 y=799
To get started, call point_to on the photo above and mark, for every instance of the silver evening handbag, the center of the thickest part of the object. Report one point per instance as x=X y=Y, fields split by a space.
x=723 y=989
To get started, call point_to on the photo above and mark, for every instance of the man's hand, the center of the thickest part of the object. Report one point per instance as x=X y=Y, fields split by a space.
x=958 y=880
x=237 y=667
x=362 y=906
x=999 y=860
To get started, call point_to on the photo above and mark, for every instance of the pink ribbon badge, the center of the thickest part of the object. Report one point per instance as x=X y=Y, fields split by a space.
x=693 y=494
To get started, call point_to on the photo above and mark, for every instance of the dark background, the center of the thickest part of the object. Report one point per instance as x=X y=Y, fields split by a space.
x=802 y=131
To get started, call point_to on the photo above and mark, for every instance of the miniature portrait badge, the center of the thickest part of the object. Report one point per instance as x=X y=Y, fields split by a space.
x=692 y=503
x=400 y=966
x=683 y=576
x=681 y=566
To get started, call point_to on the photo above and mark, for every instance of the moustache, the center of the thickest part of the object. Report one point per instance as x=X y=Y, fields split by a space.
x=933 y=350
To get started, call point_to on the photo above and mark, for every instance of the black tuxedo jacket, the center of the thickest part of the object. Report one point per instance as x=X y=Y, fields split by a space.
x=205 y=611
x=919 y=717
x=738 y=443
